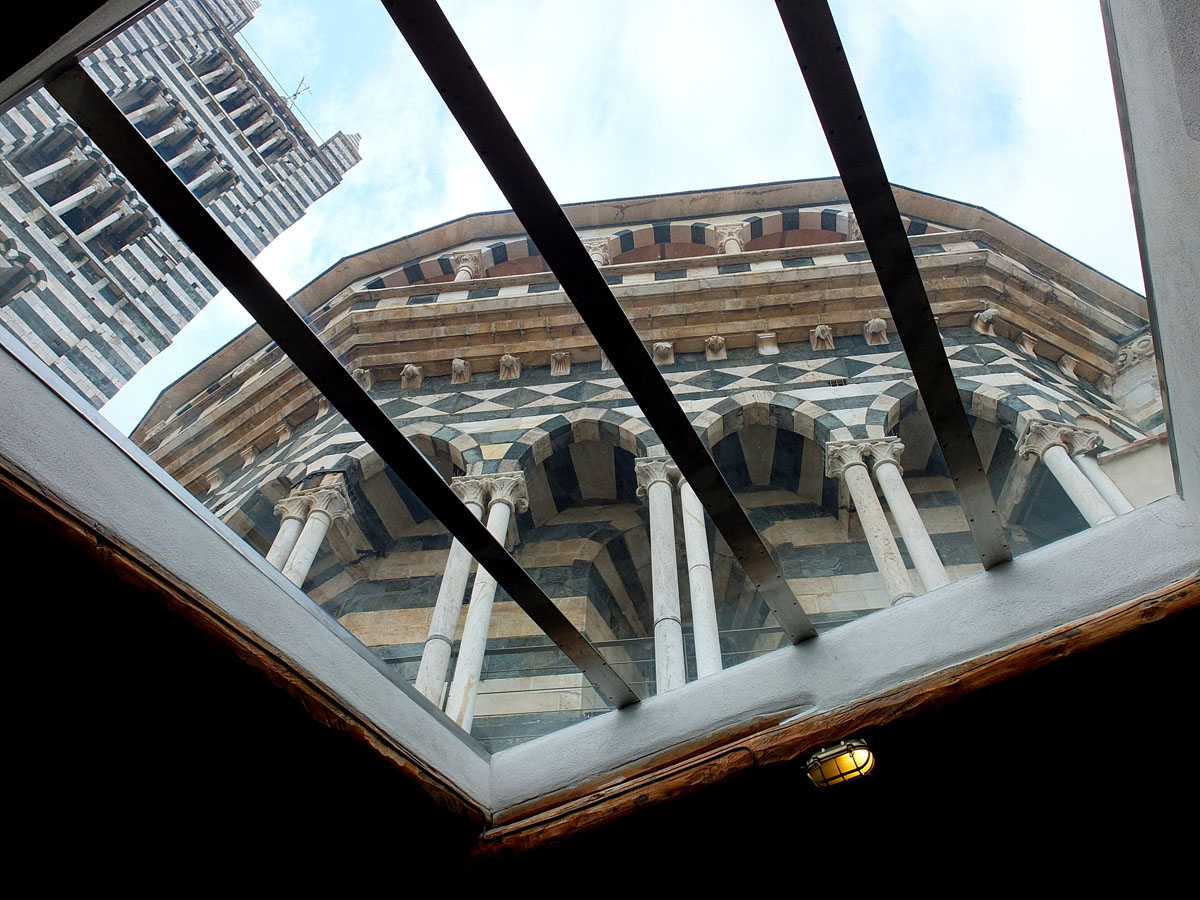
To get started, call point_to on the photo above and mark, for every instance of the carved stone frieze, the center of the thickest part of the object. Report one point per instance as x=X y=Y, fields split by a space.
x=510 y=367
x=460 y=371
x=821 y=338
x=876 y=332
x=560 y=362
x=985 y=322
x=1134 y=352
x=664 y=353
x=411 y=376
x=714 y=348
x=365 y=378
x=731 y=238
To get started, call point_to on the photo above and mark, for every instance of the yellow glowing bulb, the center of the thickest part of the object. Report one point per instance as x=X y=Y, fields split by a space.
x=844 y=761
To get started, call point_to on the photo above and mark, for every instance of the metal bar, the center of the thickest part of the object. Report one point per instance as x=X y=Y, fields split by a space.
x=96 y=114
x=445 y=60
x=49 y=41
x=818 y=48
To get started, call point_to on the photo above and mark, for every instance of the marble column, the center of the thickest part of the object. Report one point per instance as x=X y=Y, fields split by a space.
x=507 y=494
x=293 y=510
x=885 y=455
x=1048 y=441
x=326 y=505
x=41 y=176
x=705 y=631
x=1081 y=444
x=654 y=483
x=94 y=185
x=467 y=265
x=435 y=656
x=845 y=460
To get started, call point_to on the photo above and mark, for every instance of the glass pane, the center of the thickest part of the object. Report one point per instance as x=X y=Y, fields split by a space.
x=758 y=303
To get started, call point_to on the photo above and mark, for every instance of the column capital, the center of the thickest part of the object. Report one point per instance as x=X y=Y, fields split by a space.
x=332 y=500
x=470 y=261
x=650 y=470
x=597 y=249
x=886 y=450
x=841 y=455
x=734 y=232
x=508 y=489
x=1083 y=440
x=1040 y=435
x=294 y=507
x=470 y=488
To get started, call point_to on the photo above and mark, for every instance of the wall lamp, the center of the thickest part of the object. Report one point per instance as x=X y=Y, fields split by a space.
x=844 y=761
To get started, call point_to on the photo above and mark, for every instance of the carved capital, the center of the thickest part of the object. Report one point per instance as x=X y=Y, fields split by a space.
x=1040 y=436
x=470 y=488
x=411 y=376
x=714 y=348
x=821 y=338
x=1083 y=440
x=664 y=353
x=841 y=455
x=510 y=367
x=876 y=332
x=508 y=489
x=731 y=238
x=331 y=500
x=460 y=371
x=468 y=261
x=294 y=507
x=597 y=249
x=560 y=362
x=886 y=450
x=650 y=470
x=985 y=322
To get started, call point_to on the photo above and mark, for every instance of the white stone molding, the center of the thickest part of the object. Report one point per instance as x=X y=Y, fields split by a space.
x=283 y=431
x=460 y=370
x=985 y=322
x=507 y=493
x=605 y=363
x=323 y=407
x=664 y=353
x=1067 y=364
x=1051 y=442
x=597 y=249
x=560 y=362
x=847 y=460
x=1027 y=344
x=411 y=376
x=853 y=232
x=510 y=367
x=767 y=346
x=365 y=378
x=731 y=238
x=214 y=478
x=876 y=332
x=439 y=642
x=249 y=454
x=714 y=348
x=821 y=338
x=467 y=265
x=1104 y=384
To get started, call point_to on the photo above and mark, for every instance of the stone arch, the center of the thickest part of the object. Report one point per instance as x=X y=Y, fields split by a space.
x=1008 y=408
x=537 y=444
x=731 y=414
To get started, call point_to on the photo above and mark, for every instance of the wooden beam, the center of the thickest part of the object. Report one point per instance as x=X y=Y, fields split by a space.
x=683 y=770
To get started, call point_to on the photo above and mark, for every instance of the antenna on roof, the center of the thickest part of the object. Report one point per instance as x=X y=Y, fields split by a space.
x=301 y=88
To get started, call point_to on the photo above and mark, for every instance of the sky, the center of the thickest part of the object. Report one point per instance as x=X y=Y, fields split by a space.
x=1007 y=105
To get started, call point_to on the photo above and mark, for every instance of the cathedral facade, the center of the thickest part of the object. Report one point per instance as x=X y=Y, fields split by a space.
x=92 y=282
x=761 y=308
